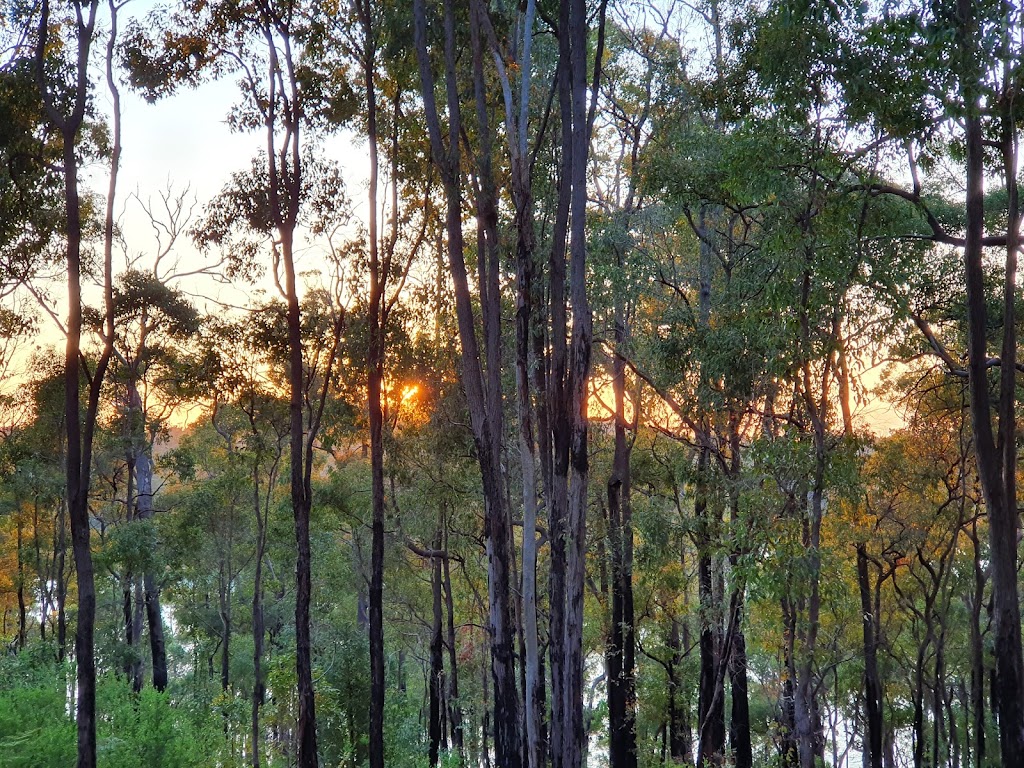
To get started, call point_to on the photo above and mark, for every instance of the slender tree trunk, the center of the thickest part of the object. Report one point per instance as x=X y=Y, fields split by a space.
x=260 y=509
x=507 y=739
x=978 y=650
x=62 y=584
x=142 y=462
x=680 y=740
x=622 y=643
x=872 y=683
x=224 y=606
x=524 y=272
x=789 y=751
x=578 y=371
x=436 y=683
x=22 y=608
x=711 y=703
x=918 y=701
x=484 y=401
x=375 y=382
x=79 y=431
x=739 y=718
x=454 y=706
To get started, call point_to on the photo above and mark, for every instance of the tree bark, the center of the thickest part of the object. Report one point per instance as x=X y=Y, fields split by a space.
x=484 y=401
x=142 y=460
x=375 y=383
x=872 y=682
x=436 y=683
x=680 y=738
x=454 y=706
x=80 y=431
x=622 y=642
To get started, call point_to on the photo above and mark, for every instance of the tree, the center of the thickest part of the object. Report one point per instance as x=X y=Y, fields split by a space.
x=63 y=79
x=267 y=36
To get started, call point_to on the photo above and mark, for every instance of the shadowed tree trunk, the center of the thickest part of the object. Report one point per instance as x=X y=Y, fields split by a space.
x=80 y=430
x=435 y=685
x=872 y=683
x=483 y=395
x=622 y=642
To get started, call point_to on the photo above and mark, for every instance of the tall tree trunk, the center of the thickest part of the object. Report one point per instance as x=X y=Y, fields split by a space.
x=997 y=464
x=622 y=642
x=578 y=371
x=22 y=606
x=62 y=583
x=788 y=749
x=534 y=701
x=739 y=717
x=80 y=431
x=484 y=401
x=711 y=702
x=261 y=509
x=375 y=383
x=224 y=609
x=507 y=739
x=284 y=172
x=977 y=601
x=680 y=743
x=307 y=754
x=142 y=461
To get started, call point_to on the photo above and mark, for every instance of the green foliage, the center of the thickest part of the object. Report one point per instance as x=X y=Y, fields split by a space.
x=153 y=729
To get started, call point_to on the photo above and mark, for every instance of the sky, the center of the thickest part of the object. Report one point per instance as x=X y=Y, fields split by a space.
x=184 y=141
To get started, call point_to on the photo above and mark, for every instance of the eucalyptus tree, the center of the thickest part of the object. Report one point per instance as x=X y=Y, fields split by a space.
x=944 y=87
x=253 y=422
x=263 y=43
x=642 y=70
x=367 y=38
x=152 y=320
x=65 y=82
x=481 y=374
x=569 y=363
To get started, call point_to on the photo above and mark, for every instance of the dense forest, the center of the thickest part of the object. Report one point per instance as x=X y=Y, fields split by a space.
x=639 y=388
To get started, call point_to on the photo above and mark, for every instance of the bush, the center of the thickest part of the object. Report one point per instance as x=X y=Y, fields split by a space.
x=37 y=726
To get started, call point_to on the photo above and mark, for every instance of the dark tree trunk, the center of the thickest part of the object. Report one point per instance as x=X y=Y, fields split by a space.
x=80 y=431
x=22 y=607
x=978 y=650
x=996 y=462
x=258 y=633
x=142 y=463
x=224 y=609
x=261 y=512
x=622 y=642
x=872 y=683
x=62 y=585
x=788 y=749
x=436 y=683
x=454 y=706
x=711 y=702
x=375 y=382
x=484 y=400
x=680 y=739
x=739 y=717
